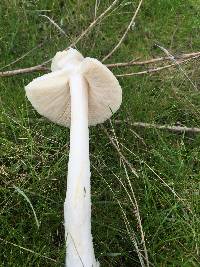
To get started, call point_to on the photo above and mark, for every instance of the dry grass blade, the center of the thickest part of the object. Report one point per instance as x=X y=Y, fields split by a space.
x=98 y=19
x=97 y=3
x=163 y=182
x=41 y=67
x=137 y=214
x=125 y=33
x=134 y=200
x=29 y=202
x=129 y=229
x=55 y=24
x=76 y=249
x=23 y=56
x=171 y=189
x=119 y=152
x=176 y=62
x=28 y=250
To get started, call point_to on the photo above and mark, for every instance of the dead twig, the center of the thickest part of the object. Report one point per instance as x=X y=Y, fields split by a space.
x=153 y=60
x=181 y=129
x=125 y=33
x=157 y=69
x=23 y=71
x=182 y=59
x=87 y=30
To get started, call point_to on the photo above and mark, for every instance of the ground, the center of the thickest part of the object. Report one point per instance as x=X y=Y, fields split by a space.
x=34 y=152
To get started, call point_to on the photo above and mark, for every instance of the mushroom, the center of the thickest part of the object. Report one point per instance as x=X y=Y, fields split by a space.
x=79 y=92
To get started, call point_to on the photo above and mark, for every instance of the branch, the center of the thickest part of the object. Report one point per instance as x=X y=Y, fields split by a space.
x=182 y=129
x=23 y=71
x=157 y=69
x=182 y=59
x=152 y=61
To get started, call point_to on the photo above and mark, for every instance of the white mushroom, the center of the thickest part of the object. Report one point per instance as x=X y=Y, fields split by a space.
x=78 y=92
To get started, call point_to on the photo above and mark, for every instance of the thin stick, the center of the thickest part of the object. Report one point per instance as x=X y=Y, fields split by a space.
x=182 y=59
x=156 y=69
x=23 y=71
x=125 y=33
x=182 y=129
x=23 y=56
x=152 y=61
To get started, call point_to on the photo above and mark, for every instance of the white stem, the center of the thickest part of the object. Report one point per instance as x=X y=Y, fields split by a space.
x=77 y=207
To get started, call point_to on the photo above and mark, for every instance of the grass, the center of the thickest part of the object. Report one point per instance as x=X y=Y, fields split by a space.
x=34 y=152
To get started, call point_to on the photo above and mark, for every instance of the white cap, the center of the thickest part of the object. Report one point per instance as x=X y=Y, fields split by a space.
x=50 y=93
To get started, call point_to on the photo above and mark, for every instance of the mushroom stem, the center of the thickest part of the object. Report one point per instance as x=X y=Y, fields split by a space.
x=77 y=206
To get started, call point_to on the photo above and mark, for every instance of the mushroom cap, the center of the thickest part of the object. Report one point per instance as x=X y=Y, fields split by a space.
x=64 y=58
x=50 y=93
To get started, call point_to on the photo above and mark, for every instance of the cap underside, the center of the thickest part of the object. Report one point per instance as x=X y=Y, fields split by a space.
x=50 y=93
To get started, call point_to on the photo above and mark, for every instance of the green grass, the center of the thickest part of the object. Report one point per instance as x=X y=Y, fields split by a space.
x=34 y=152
